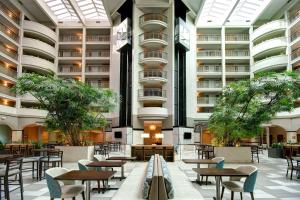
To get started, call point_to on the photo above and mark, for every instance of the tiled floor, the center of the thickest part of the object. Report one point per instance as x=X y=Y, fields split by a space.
x=271 y=182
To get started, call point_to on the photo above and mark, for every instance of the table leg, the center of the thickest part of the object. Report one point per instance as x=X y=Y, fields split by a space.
x=218 y=195
x=87 y=190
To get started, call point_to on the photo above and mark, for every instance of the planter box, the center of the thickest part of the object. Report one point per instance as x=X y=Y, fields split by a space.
x=234 y=154
x=275 y=153
x=75 y=153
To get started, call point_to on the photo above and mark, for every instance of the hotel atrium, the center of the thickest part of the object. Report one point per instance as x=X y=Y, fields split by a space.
x=168 y=62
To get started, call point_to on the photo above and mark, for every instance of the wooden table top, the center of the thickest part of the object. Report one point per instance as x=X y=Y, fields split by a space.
x=121 y=158
x=106 y=164
x=219 y=172
x=199 y=161
x=88 y=175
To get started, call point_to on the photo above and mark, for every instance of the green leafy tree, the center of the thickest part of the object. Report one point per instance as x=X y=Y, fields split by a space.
x=245 y=105
x=72 y=106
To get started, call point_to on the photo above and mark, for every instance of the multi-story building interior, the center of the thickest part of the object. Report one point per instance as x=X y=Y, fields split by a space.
x=167 y=60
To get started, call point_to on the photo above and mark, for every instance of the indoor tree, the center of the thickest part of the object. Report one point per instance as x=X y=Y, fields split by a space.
x=72 y=105
x=245 y=105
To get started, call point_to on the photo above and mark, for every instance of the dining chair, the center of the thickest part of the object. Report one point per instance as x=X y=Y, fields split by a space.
x=13 y=168
x=62 y=189
x=291 y=167
x=235 y=184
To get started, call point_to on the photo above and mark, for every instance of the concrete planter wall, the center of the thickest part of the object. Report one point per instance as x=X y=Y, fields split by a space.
x=234 y=154
x=75 y=153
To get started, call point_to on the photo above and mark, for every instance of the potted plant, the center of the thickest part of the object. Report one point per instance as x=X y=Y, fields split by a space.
x=276 y=150
x=73 y=107
x=245 y=105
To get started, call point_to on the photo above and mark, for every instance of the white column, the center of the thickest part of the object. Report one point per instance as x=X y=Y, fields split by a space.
x=16 y=136
x=291 y=136
x=268 y=136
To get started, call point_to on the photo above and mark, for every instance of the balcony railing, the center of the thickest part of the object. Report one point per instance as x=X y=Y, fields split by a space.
x=10 y=52
x=237 y=37
x=70 y=38
x=295 y=16
x=295 y=54
x=153 y=54
x=209 y=37
x=152 y=92
x=153 y=16
x=98 y=83
x=209 y=68
x=7 y=91
x=8 y=71
x=153 y=35
x=237 y=68
x=10 y=33
x=209 y=53
x=97 y=53
x=68 y=53
x=97 y=68
x=153 y=74
x=295 y=35
x=206 y=100
x=9 y=13
x=97 y=38
x=209 y=84
x=237 y=53
x=68 y=69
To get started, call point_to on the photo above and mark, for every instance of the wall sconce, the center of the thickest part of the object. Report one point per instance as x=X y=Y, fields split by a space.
x=145 y=135
x=159 y=135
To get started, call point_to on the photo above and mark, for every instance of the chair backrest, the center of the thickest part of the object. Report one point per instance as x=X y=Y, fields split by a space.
x=251 y=179
x=82 y=164
x=53 y=185
x=220 y=163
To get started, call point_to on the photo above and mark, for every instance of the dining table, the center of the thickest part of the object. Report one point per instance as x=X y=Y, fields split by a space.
x=199 y=162
x=87 y=176
x=109 y=163
x=218 y=173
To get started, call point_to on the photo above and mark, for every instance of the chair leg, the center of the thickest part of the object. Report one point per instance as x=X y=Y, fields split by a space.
x=83 y=196
x=241 y=195
x=222 y=193
x=252 y=196
x=232 y=195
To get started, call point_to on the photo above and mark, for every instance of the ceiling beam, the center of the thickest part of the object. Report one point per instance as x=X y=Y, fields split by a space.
x=77 y=11
x=231 y=11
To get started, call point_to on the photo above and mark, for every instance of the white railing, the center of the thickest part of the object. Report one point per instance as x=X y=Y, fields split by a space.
x=70 y=38
x=209 y=37
x=209 y=68
x=152 y=92
x=237 y=37
x=206 y=100
x=97 y=38
x=237 y=53
x=209 y=53
x=96 y=68
x=69 y=53
x=209 y=84
x=295 y=54
x=97 y=53
x=8 y=71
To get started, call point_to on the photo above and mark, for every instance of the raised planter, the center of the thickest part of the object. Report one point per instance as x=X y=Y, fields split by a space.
x=275 y=153
x=234 y=154
x=75 y=153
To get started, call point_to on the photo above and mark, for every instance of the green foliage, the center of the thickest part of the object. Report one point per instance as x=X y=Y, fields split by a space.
x=245 y=105
x=277 y=145
x=72 y=106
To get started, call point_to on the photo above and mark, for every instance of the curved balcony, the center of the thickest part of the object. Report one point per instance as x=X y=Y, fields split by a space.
x=150 y=76
x=269 y=46
x=271 y=63
x=153 y=21
x=39 y=47
x=153 y=113
x=268 y=28
x=153 y=58
x=152 y=94
x=153 y=40
x=37 y=63
x=40 y=30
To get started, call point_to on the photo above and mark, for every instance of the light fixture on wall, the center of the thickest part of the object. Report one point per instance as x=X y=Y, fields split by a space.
x=159 y=135
x=145 y=135
x=152 y=127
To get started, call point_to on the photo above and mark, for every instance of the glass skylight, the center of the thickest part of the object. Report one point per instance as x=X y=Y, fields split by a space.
x=237 y=12
x=89 y=9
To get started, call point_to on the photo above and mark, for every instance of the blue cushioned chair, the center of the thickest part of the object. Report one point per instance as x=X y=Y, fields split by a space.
x=235 y=184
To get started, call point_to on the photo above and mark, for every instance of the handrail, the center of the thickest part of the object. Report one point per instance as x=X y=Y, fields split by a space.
x=148 y=92
x=9 y=32
x=8 y=71
x=11 y=14
x=153 y=35
x=153 y=16
x=98 y=38
x=152 y=73
x=153 y=54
